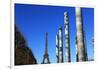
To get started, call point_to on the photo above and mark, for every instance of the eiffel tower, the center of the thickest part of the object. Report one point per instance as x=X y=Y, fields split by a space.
x=46 y=56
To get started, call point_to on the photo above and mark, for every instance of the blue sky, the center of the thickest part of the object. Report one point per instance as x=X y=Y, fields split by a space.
x=34 y=20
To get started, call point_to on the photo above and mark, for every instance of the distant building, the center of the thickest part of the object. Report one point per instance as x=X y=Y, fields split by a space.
x=46 y=55
x=85 y=47
x=23 y=54
x=93 y=42
x=90 y=59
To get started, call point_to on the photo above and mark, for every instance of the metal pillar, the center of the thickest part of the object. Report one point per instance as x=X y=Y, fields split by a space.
x=67 y=38
x=76 y=50
x=60 y=45
x=57 y=48
x=80 y=39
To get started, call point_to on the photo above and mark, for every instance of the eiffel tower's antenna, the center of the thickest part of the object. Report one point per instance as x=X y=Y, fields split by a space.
x=46 y=56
